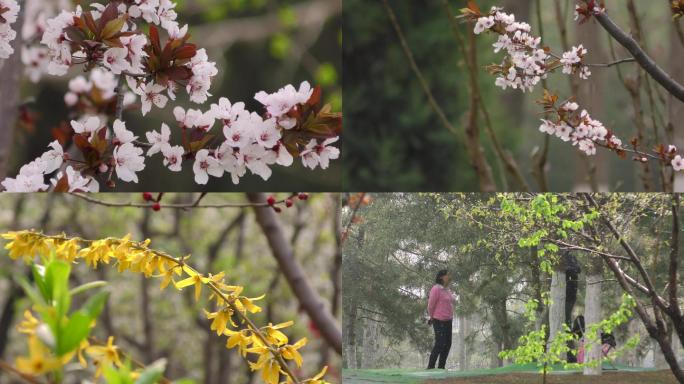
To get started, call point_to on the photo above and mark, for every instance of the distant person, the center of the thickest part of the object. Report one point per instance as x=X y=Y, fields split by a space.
x=441 y=312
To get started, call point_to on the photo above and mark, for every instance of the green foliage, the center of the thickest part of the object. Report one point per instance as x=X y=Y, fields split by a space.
x=395 y=141
x=52 y=300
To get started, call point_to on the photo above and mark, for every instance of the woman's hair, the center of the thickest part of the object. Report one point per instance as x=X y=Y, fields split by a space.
x=440 y=274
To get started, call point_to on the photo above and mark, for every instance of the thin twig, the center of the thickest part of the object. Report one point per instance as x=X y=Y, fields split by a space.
x=617 y=62
x=194 y=204
x=25 y=377
x=414 y=66
x=119 y=97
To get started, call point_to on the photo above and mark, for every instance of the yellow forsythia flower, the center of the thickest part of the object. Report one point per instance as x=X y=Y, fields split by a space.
x=26 y=245
x=68 y=250
x=242 y=339
x=291 y=352
x=318 y=379
x=104 y=355
x=29 y=324
x=273 y=334
x=39 y=360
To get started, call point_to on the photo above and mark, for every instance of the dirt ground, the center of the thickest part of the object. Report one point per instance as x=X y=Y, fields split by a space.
x=659 y=377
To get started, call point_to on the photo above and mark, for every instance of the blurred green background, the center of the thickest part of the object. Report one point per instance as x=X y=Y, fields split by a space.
x=394 y=141
x=257 y=45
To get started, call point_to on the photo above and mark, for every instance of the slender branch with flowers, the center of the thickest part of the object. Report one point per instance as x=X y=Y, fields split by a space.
x=230 y=314
x=135 y=50
x=526 y=63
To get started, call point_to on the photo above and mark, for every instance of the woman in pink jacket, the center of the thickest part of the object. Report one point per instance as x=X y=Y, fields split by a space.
x=441 y=312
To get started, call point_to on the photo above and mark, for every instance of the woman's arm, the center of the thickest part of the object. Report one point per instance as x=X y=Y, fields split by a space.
x=432 y=300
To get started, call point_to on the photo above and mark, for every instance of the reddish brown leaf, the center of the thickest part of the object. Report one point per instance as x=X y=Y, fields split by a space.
x=154 y=39
x=315 y=98
x=62 y=185
x=188 y=51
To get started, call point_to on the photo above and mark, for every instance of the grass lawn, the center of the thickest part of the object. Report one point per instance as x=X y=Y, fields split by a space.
x=513 y=374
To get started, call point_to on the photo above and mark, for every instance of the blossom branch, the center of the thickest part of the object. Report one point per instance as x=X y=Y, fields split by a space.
x=138 y=256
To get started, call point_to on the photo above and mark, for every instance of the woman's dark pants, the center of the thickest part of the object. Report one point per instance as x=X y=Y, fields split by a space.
x=442 y=343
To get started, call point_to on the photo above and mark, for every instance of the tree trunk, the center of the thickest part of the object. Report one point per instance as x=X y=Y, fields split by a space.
x=462 y=349
x=557 y=307
x=592 y=315
x=10 y=81
x=350 y=345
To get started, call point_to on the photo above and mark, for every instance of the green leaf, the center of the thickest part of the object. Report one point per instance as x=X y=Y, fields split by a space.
x=30 y=291
x=95 y=304
x=40 y=282
x=57 y=281
x=150 y=376
x=71 y=335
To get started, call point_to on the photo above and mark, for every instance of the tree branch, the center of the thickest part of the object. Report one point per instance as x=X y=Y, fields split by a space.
x=283 y=253
x=641 y=57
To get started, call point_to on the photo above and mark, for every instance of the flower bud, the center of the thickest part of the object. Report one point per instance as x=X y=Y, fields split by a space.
x=45 y=335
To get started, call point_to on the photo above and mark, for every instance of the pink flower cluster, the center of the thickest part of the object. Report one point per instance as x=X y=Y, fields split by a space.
x=525 y=62
x=572 y=62
x=580 y=129
x=128 y=55
x=250 y=142
x=9 y=9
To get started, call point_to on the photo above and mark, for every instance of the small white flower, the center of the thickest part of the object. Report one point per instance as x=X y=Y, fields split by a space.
x=158 y=140
x=173 y=157
x=91 y=125
x=114 y=59
x=204 y=166
x=53 y=158
x=153 y=95
x=678 y=163
x=122 y=134
x=128 y=160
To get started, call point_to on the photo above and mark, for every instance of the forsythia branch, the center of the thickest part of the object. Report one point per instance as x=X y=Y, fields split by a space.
x=268 y=342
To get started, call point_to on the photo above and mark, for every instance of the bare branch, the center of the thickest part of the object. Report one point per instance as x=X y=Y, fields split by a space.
x=641 y=57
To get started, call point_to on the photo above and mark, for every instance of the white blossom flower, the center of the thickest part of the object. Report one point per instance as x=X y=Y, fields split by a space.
x=678 y=163
x=77 y=182
x=29 y=179
x=91 y=125
x=53 y=158
x=158 y=140
x=128 y=160
x=122 y=134
x=173 y=157
x=204 y=166
x=114 y=59
x=152 y=95
x=281 y=102
x=316 y=154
